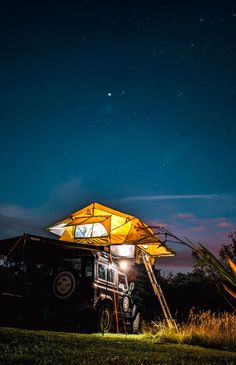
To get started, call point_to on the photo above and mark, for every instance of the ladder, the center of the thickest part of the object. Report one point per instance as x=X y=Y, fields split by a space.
x=158 y=292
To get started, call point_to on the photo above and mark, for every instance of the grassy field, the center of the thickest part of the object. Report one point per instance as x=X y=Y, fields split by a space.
x=18 y=346
x=206 y=328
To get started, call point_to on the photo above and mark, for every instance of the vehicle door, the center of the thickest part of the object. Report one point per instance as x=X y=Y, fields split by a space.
x=123 y=298
x=105 y=280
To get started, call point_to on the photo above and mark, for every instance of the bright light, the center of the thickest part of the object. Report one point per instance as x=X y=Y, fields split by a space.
x=123 y=264
x=123 y=251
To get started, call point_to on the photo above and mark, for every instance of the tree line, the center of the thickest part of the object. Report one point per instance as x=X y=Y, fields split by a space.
x=201 y=289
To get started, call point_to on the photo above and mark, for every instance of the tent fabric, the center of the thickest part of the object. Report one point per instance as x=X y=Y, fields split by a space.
x=118 y=228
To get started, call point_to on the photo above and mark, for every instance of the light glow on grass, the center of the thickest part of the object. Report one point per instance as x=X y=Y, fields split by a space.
x=24 y=346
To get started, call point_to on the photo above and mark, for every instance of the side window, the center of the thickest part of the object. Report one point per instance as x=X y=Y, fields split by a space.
x=122 y=282
x=15 y=269
x=12 y=275
x=89 y=269
x=111 y=276
x=102 y=272
x=73 y=263
x=76 y=263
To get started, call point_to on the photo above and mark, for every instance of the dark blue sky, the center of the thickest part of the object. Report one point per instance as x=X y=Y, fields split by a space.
x=131 y=104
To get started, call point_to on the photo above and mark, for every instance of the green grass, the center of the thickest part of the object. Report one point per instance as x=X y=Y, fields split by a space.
x=18 y=346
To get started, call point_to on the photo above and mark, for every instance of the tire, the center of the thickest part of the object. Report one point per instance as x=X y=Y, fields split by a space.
x=64 y=285
x=136 y=324
x=104 y=320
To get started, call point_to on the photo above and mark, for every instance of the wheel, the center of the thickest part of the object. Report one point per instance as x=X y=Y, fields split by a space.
x=64 y=285
x=136 y=323
x=104 y=318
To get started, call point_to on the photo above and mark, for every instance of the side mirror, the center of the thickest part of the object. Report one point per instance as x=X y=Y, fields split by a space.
x=131 y=286
x=121 y=286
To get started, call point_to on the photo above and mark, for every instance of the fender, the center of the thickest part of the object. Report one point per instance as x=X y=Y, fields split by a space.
x=134 y=311
x=104 y=300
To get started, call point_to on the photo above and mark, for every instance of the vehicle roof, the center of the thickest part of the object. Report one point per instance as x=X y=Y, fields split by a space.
x=12 y=246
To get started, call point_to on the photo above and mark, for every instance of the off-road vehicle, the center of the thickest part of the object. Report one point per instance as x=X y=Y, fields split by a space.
x=46 y=282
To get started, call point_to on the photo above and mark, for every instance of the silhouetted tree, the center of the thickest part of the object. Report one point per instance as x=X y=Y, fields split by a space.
x=228 y=250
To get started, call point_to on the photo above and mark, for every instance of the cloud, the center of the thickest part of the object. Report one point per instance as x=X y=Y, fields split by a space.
x=169 y=197
x=182 y=261
x=11 y=210
x=198 y=228
x=185 y=216
x=62 y=199
x=66 y=186
x=66 y=192
x=15 y=220
x=223 y=222
x=199 y=217
x=212 y=232
x=224 y=225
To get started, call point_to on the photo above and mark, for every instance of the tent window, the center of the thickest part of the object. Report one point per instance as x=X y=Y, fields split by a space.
x=90 y=230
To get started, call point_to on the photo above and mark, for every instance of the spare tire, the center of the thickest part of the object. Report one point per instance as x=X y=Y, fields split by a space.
x=125 y=304
x=64 y=285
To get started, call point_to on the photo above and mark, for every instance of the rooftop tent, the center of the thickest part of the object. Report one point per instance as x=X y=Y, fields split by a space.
x=99 y=225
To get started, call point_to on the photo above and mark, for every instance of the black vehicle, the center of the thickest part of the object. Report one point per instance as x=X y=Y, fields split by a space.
x=50 y=283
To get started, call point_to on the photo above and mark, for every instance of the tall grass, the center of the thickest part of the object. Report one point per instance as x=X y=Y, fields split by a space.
x=204 y=328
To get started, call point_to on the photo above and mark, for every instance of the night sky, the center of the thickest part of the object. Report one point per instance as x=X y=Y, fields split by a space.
x=128 y=103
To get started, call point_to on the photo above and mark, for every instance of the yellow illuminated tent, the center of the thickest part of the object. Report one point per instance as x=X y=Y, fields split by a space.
x=99 y=225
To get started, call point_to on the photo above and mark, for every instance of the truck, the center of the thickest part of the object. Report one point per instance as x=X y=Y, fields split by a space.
x=47 y=283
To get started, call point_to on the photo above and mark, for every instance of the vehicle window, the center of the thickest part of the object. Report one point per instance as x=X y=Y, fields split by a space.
x=111 y=276
x=102 y=272
x=15 y=270
x=74 y=263
x=77 y=264
x=89 y=269
x=122 y=282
